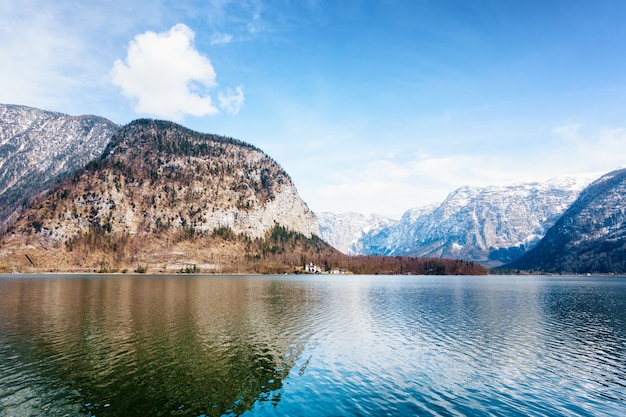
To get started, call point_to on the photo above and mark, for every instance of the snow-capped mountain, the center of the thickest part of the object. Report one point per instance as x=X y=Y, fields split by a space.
x=401 y=233
x=37 y=146
x=345 y=231
x=590 y=237
x=487 y=224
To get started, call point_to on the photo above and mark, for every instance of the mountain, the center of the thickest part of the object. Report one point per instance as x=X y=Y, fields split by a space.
x=491 y=225
x=344 y=231
x=590 y=237
x=163 y=198
x=387 y=241
x=37 y=147
x=163 y=194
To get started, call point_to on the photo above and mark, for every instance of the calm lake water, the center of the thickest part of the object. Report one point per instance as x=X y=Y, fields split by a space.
x=312 y=346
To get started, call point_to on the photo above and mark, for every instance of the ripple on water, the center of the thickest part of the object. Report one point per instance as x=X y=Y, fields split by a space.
x=314 y=346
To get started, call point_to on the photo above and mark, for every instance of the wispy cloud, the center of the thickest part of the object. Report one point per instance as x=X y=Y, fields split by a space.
x=37 y=53
x=55 y=54
x=390 y=183
x=586 y=150
x=236 y=20
x=221 y=38
x=256 y=24
x=231 y=101
x=166 y=75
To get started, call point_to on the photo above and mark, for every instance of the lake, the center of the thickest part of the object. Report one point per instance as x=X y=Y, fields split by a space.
x=122 y=345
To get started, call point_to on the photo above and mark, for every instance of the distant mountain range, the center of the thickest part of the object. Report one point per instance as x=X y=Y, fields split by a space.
x=491 y=225
x=346 y=231
x=558 y=226
x=38 y=147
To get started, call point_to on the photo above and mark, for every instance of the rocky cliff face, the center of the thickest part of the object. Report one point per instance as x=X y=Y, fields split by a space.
x=488 y=224
x=37 y=147
x=202 y=181
x=590 y=237
x=155 y=183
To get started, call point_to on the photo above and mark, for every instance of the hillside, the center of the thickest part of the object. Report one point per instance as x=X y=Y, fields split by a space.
x=157 y=188
x=38 y=147
x=590 y=237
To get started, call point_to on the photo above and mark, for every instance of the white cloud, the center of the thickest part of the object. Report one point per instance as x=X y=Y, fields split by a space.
x=231 y=101
x=221 y=38
x=166 y=75
x=589 y=151
x=567 y=132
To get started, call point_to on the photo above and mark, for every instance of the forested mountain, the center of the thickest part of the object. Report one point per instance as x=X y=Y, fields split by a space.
x=590 y=237
x=38 y=147
x=155 y=189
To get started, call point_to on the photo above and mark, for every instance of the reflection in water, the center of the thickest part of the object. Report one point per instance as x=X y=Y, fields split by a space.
x=144 y=346
x=124 y=346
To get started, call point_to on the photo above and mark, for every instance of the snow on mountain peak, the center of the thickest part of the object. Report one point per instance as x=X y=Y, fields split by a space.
x=472 y=223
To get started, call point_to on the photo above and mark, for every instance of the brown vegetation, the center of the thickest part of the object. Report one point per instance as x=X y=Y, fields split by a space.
x=221 y=251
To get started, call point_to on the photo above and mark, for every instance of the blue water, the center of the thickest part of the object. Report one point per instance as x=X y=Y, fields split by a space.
x=323 y=346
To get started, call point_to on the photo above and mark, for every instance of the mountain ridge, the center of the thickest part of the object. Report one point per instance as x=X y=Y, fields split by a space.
x=345 y=230
x=38 y=147
x=590 y=237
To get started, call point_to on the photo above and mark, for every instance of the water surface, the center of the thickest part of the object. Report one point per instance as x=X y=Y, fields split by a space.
x=327 y=346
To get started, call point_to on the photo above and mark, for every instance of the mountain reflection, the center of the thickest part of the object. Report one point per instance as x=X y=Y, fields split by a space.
x=152 y=345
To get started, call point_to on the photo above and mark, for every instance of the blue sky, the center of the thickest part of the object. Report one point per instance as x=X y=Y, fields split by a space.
x=370 y=106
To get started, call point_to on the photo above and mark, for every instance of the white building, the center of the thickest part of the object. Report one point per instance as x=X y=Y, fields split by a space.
x=312 y=268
